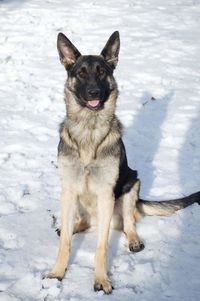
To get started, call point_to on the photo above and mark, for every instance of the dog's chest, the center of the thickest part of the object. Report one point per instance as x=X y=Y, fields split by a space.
x=91 y=178
x=88 y=134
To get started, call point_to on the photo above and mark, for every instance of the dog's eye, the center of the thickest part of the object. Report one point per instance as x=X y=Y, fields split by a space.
x=82 y=73
x=100 y=71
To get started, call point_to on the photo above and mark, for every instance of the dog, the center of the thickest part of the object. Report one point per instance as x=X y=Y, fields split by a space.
x=97 y=185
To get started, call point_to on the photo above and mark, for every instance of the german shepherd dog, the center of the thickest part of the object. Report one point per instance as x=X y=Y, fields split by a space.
x=97 y=184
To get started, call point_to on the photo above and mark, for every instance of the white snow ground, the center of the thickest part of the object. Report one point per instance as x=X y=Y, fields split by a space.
x=159 y=58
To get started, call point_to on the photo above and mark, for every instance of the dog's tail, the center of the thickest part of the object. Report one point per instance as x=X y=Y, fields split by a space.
x=166 y=207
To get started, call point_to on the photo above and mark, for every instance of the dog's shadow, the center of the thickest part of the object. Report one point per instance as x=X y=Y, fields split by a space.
x=142 y=138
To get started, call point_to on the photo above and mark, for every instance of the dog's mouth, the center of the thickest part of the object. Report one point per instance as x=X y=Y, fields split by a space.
x=93 y=103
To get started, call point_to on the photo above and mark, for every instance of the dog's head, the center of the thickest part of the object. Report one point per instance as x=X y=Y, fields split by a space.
x=90 y=77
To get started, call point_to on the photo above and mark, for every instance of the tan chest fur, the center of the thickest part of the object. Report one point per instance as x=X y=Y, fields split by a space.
x=87 y=181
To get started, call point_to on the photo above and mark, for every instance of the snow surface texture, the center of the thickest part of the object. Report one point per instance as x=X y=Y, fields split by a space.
x=159 y=105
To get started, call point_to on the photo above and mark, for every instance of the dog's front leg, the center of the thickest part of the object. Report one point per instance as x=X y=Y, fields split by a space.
x=68 y=205
x=105 y=205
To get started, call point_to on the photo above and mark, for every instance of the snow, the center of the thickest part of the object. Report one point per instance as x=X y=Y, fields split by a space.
x=159 y=105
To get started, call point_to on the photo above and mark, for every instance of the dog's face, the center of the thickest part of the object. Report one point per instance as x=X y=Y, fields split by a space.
x=90 y=77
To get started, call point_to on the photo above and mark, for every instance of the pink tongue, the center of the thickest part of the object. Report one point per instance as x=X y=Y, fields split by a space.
x=93 y=103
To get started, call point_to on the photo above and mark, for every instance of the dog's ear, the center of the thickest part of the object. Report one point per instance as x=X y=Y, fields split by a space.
x=111 y=50
x=67 y=51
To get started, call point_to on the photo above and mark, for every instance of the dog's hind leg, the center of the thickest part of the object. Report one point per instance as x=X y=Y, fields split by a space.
x=81 y=226
x=68 y=207
x=129 y=213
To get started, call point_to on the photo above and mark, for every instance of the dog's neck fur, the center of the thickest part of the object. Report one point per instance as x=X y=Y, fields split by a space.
x=90 y=129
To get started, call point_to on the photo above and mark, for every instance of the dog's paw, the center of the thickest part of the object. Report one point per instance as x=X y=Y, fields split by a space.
x=57 y=275
x=136 y=246
x=105 y=285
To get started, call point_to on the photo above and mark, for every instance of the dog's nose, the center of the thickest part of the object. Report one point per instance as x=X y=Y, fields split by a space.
x=94 y=92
